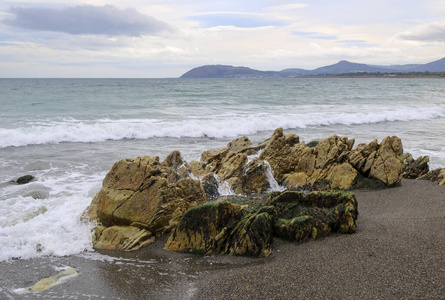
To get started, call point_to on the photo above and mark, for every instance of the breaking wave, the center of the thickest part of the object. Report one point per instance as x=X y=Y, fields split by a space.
x=216 y=126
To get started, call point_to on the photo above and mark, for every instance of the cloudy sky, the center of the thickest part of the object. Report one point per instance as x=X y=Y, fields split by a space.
x=142 y=38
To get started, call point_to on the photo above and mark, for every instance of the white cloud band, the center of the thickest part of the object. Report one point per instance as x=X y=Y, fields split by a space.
x=432 y=32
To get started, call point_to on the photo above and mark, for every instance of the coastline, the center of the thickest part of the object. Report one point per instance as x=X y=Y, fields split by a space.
x=397 y=252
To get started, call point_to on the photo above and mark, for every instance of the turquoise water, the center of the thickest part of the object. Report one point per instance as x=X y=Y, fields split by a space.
x=69 y=132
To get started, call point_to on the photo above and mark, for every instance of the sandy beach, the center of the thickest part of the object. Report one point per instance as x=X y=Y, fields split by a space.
x=398 y=252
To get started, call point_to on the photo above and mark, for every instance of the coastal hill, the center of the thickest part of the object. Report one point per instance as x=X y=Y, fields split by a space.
x=342 y=67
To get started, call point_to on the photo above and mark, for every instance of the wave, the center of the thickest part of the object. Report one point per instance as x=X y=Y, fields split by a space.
x=213 y=126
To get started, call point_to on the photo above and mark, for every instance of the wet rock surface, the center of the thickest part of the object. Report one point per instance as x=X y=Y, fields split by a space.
x=144 y=198
x=228 y=228
x=25 y=179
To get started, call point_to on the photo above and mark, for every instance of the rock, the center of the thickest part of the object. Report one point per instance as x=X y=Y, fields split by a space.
x=143 y=198
x=255 y=177
x=239 y=144
x=234 y=229
x=252 y=236
x=331 y=163
x=279 y=153
x=382 y=162
x=203 y=226
x=25 y=179
x=315 y=214
x=121 y=238
x=413 y=169
x=387 y=164
x=146 y=194
x=436 y=175
x=211 y=185
x=223 y=228
x=37 y=194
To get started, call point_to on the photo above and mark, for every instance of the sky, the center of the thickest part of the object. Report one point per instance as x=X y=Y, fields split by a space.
x=162 y=39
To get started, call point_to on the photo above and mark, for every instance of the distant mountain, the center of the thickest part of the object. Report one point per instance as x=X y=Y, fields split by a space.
x=345 y=66
x=435 y=66
x=296 y=71
x=342 y=67
x=221 y=71
x=401 y=68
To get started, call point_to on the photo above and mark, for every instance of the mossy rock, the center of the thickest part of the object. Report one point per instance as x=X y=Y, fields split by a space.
x=238 y=229
x=199 y=226
x=252 y=236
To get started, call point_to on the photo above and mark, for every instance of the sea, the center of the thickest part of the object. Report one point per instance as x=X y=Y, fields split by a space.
x=68 y=133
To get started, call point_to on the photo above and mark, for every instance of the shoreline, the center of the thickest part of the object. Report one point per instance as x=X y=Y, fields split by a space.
x=397 y=252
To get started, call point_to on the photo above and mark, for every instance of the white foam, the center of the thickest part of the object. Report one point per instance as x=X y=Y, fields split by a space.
x=274 y=186
x=224 y=189
x=216 y=126
x=51 y=226
x=56 y=231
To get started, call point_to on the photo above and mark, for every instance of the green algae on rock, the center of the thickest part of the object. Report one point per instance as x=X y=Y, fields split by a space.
x=149 y=197
x=227 y=228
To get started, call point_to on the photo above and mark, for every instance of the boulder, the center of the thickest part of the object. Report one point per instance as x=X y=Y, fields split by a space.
x=252 y=236
x=436 y=175
x=121 y=237
x=223 y=228
x=200 y=229
x=146 y=194
x=25 y=179
x=381 y=162
x=234 y=229
x=414 y=168
x=323 y=211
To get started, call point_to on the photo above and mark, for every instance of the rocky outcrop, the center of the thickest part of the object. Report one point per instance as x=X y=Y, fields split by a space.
x=419 y=169
x=145 y=197
x=328 y=164
x=436 y=175
x=382 y=162
x=414 y=168
x=228 y=228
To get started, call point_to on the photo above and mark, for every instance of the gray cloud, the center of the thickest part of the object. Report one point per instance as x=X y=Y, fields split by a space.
x=88 y=19
x=433 y=32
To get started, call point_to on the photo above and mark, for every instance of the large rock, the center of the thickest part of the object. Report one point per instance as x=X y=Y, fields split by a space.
x=414 y=168
x=331 y=163
x=382 y=162
x=419 y=169
x=314 y=214
x=151 y=196
x=200 y=229
x=231 y=229
x=145 y=194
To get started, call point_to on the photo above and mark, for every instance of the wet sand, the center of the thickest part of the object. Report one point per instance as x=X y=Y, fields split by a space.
x=398 y=252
